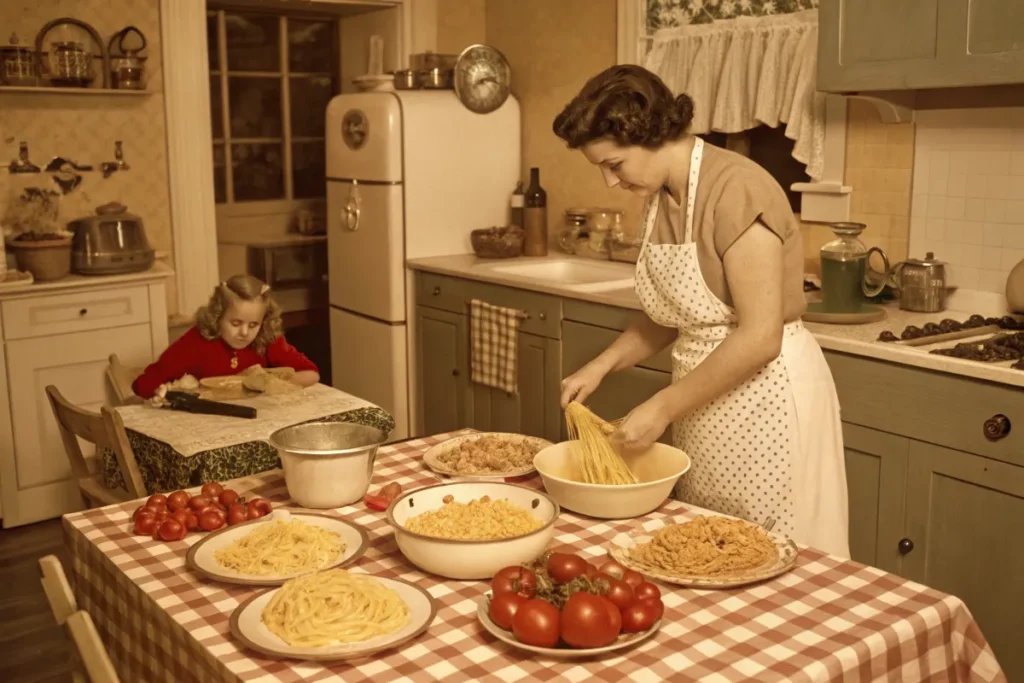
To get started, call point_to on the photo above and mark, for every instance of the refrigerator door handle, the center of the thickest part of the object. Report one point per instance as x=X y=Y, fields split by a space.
x=353 y=208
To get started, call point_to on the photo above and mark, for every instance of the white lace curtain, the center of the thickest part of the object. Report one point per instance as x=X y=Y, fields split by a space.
x=745 y=72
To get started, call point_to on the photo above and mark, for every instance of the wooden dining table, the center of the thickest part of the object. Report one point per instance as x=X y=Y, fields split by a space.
x=176 y=450
x=828 y=619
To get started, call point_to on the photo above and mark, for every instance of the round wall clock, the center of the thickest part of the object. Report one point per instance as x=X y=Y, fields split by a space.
x=482 y=78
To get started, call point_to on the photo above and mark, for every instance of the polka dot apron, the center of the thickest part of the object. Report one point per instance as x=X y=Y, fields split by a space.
x=771 y=447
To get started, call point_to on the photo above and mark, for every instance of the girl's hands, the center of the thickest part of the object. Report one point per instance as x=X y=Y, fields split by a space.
x=582 y=383
x=643 y=426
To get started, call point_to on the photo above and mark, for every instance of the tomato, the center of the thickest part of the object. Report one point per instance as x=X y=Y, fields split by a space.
x=564 y=567
x=615 y=614
x=587 y=621
x=145 y=509
x=503 y=609
x=162 y=514
x=178 y=499
x=144 y=525
x=536 y=623
x=638 y=617
x=212 y=489
x=237 y=514
x=656 y=604
x=227 y=497
x=633 y=578
x=197 y=503
x=181 y=516
x=376 y=502
x=646 y=590
x=211 y=520
x=391 y=491
x=157 y=500
x=620 y=594
x=519 y=580
x=257 y=507
x=171 y=530
x=613 y=569
x=192 y=523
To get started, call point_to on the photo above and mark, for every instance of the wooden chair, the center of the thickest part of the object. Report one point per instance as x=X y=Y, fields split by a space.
x=106 y=430
x=57 y=589
x=91 y=652
x=121 y=377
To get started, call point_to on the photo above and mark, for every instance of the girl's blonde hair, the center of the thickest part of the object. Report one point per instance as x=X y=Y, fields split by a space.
x=246 y=288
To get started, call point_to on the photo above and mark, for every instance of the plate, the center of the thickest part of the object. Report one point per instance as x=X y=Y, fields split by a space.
x=223 y=382
x=432 y=457
x=626 y=640
x=247 y=626
x=621 y=543
x=200 y=557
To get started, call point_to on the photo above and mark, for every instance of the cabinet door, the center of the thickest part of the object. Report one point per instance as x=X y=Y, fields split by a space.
x=620 y=392
x=36 y=476
x=535 y=411
x=876 y=471
x=965 y=518
x=443 y=356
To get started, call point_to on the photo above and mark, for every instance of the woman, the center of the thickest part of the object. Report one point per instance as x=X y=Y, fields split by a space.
x=720 y=277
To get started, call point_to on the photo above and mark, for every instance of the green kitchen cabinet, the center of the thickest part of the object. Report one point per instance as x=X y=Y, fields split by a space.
x=871 y=45
x=443 y=358
x=876 y=475
x=963 y=536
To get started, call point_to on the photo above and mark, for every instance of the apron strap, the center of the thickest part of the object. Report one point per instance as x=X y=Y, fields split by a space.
x=691 y=190
x=650 y=217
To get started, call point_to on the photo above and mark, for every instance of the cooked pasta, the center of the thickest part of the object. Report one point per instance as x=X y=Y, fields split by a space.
x=599 y=462
x=480 y=519
x=707 y=546
x=332 y=607
x=281 y=548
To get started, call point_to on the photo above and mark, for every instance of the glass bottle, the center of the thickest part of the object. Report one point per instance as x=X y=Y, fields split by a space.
x=536 y=217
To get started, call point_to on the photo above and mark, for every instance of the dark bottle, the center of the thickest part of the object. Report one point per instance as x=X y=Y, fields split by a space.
x=536 y=201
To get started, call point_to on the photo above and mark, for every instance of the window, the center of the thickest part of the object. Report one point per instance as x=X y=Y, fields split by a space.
x=271 y=77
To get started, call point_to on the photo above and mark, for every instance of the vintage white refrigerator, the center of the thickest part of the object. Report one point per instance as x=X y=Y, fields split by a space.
x=409 y=175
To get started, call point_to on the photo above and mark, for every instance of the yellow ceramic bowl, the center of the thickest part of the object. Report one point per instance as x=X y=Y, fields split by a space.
x=658 y=470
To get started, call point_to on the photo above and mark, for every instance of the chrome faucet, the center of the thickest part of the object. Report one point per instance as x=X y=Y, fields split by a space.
x=119 y=164
x=22 y=164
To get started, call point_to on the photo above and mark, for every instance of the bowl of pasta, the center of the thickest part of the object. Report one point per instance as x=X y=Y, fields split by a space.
x=471 y=529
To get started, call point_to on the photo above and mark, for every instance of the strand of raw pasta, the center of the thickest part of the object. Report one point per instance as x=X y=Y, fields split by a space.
x=334 y=606
x=281 y=548
x=599 y=461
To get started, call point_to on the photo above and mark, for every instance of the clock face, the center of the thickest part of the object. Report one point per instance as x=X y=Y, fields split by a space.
x=482 y=78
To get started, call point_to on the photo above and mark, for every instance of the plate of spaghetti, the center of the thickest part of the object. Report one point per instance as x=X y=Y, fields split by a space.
x=709 y=551
x=273 y=549
x=333 y=615
x=487 y=455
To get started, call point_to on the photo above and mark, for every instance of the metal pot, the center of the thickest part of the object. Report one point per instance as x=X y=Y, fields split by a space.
x=111 y=242
x=421 y=61
x=438 y=78
x=922 y=284
x=407 y=79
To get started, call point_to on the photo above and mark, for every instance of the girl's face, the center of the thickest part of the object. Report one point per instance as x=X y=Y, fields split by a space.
x=636 y=169
x=241 y=322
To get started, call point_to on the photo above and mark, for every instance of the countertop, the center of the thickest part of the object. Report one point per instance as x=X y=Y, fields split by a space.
x=860 y=340
x=74 y=281
x=270 y=241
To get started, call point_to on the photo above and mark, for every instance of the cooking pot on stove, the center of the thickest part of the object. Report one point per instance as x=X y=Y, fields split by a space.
x=110 y=243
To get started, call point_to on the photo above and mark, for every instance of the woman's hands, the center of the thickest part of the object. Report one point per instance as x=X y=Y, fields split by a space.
x=582 y=383
x=643 y=426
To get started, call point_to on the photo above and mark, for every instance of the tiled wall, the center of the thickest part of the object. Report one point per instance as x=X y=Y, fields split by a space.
x=84 y=128
x=879 y=157
x=968 y=194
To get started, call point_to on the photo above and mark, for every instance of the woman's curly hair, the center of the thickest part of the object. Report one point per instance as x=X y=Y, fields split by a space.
x=246 y=288
x=627 y=104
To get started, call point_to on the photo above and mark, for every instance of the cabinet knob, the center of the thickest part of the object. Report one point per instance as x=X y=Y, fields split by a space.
x=905 y=546
x=455 y=372
x=437 y=290
x=996 y=427
x=542 y=316
x=83 y=311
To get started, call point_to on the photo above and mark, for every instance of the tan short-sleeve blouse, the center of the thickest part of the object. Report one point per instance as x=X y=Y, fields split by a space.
x=733 y=193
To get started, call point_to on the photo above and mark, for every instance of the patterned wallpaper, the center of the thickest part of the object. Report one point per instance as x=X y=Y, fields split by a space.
x=671 y=13
x=84 y=127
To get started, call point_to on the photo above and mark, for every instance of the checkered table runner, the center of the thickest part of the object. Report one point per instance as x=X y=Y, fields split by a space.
x=826 y=620
x=493 y=334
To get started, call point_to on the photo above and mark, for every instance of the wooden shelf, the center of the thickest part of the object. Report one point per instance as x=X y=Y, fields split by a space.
x=45 y=90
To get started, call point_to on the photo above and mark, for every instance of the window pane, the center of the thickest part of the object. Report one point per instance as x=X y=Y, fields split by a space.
x=770 y=148
x=309 y=98
x=255 y=107
x=257 y=171
x=216 y=107
x=311 y=45
x=309 y=170
x=253 y=43
x=211 y=41
x=220 y=178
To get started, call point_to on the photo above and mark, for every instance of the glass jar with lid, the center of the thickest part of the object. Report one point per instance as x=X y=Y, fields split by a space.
x=844 y=260
x=574 y=223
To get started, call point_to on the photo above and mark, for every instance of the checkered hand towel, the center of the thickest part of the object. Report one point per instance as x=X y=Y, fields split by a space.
x=493 y=334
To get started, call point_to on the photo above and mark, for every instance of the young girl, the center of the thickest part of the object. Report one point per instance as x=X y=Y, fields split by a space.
x=238 y=328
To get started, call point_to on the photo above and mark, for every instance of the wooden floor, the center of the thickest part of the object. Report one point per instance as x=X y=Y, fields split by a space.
x=33 y=649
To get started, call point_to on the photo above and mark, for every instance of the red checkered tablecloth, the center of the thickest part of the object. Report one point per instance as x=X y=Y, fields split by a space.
x=826 y=620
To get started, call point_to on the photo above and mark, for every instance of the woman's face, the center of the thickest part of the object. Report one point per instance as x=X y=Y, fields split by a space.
x=636 y=169
x=241 y=323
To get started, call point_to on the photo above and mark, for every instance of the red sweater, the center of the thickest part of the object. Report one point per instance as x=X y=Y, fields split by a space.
x=193 y=355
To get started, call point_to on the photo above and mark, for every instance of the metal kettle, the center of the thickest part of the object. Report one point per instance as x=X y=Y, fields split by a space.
x=921 y=284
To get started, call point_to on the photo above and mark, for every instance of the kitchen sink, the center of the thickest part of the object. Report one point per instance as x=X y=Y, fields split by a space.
x=579 y=275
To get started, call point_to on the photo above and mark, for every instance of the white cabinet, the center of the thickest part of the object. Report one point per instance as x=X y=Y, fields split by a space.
x=64 y=338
